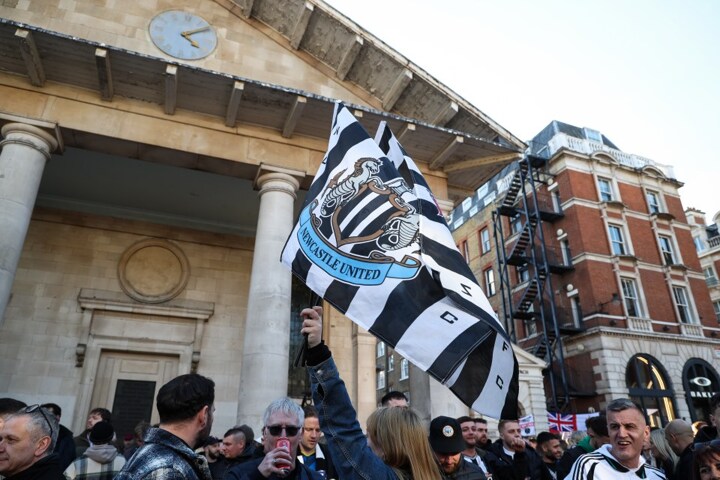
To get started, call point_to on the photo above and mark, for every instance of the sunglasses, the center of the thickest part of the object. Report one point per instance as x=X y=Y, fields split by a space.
x=276 y=430
x=34 y=408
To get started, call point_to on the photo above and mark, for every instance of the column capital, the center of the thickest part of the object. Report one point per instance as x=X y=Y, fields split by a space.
x=277 y=182
x=30 y=136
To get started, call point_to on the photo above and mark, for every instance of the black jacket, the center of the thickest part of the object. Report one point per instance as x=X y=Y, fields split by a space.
x=65 y=447
x=518 y=467
x=706 y=434
x=566 y=461
x=47 y=468
x=249 y=471
x=684 y=467
x=467 y=471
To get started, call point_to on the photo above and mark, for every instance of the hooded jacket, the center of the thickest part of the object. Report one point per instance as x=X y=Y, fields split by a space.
x=99 y=462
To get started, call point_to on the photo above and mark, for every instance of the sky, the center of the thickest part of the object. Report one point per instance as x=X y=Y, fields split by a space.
x=645 y=73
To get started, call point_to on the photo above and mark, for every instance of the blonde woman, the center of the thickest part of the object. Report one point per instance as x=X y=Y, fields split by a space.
x=664 y=456
x=396 y=446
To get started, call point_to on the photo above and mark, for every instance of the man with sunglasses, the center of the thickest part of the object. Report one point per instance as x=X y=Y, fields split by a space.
x=282 y=432
x=185 y=405
x=27 y=439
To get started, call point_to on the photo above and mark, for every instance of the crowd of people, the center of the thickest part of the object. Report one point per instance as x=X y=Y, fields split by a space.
x=325 y=441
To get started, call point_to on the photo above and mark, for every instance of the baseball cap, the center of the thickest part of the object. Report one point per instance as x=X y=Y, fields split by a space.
x=446 y=436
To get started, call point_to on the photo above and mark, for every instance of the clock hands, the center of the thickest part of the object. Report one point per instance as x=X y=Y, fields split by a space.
x=187 y=33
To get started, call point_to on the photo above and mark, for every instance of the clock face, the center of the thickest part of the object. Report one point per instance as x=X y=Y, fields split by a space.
x=183 y=35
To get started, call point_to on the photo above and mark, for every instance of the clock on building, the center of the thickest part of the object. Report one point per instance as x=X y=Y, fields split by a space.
x=183 y=35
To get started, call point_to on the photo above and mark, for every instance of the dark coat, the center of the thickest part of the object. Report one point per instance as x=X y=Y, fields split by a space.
x=467 y=471
x=566 y=461
x=518 y=467
x=706 y=434
x=684 y=467
x=65 y=447
x=47 y=468
x=249 y=471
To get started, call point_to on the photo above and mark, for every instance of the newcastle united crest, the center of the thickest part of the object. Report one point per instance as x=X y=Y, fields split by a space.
x=361 y=230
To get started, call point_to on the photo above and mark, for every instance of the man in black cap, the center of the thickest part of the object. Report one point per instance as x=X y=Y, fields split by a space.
x=447 y=443
x=101 y=460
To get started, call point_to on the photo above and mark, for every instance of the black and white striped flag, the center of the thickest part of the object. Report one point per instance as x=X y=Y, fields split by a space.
x=372 y=241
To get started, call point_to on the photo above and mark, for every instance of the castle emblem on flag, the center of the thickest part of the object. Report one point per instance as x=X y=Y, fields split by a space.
x=357 y=220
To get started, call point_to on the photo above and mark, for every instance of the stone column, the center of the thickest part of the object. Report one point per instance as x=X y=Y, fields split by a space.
x=25 y=149
x=265 y=354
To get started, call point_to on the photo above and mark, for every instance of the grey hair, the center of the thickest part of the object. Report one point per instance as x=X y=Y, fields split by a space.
x=39 y=425
x=620 y=404
x=287 y=406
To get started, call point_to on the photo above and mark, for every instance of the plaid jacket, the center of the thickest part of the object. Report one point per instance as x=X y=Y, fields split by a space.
x=85 y=468
x=164 y=457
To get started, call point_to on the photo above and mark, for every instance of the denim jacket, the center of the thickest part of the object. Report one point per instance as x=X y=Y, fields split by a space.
x=164 y=457
x=349 y=449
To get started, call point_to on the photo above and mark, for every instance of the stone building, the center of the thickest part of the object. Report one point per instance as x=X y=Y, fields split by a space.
x=154 y=156
x=707 y=244
x=631 y=314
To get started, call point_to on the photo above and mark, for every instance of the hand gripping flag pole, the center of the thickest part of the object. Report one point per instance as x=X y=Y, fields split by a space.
x=372 y=242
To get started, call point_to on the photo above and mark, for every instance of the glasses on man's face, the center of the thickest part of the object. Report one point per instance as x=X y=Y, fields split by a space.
x=276 y=430
x=34 y=408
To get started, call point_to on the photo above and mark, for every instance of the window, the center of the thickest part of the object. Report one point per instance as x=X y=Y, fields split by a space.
x=632 y=301
x=391 y=362
x=484 y=240
x=576 y=310
x=606 y=191
x=404 y=369
x=617 y=241
x=667 y=250
x=699 y=244
x=710 y=277
x=683 y=305
x=517 y=224
x=653 y=201
x=464 y=250
x=380 y=380
x=649 y=386
x=557 y=205
x=522 y=274
x=592 y=135
x=716 y=306
x=380 y=348
x=565 y=251
x=489 y=282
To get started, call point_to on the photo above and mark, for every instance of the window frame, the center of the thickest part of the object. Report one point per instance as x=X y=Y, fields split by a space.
x=380 y=380
x=685 y=311
x=716 y=307
x=667 y=250
x=485 y=245
x=602 y=193
x=490 y=284
x=391 y=362
x=380 y=349
x=635 y=298
x=613 y=241
x=404 y=369
x=658 y=208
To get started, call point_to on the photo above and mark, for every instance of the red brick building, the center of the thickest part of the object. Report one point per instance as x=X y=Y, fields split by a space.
x=616 y=301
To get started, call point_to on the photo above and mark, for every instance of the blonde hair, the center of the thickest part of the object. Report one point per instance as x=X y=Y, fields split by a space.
x=400 y=434
x=657 y=438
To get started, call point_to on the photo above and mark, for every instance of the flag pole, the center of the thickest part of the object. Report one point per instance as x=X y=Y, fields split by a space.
x=300 y=360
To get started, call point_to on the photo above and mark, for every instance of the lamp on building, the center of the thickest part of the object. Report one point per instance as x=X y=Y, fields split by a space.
x=569 y=287
x=601 y=306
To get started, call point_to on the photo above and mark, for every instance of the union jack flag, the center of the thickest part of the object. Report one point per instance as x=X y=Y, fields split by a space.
x=562 y=423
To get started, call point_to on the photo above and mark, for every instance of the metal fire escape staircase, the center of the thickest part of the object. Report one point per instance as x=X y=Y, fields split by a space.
x=534 y=303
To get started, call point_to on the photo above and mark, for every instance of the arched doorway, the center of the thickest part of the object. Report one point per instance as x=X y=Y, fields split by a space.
x=649 y=386
x=700 y=381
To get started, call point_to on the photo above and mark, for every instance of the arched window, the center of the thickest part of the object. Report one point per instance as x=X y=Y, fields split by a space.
x=649 y=387
x=700 y=381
